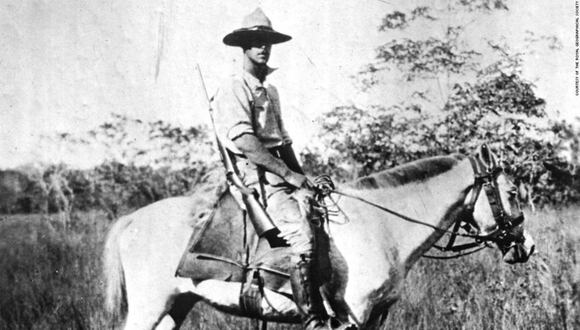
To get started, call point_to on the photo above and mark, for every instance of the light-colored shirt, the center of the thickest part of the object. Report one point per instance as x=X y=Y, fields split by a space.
x=244 y=105
x=234 y=116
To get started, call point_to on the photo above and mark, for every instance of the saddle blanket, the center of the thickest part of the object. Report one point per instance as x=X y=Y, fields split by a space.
x=224 y=246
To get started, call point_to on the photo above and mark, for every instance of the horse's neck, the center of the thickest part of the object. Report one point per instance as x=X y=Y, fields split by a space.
x=374 y=249
x=393 y=240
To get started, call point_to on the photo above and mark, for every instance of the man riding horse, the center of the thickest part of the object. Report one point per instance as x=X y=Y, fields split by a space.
x=249 y=122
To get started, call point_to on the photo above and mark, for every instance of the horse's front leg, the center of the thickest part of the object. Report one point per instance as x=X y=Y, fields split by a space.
x=161 y=306
x=181 y=305
x=377 y=318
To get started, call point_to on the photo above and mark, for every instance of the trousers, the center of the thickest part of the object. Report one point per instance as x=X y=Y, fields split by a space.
x=288 y=208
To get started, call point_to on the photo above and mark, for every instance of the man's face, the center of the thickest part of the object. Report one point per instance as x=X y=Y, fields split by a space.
x=258 y=52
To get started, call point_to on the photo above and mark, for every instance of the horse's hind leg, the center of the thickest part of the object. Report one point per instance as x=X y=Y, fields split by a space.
x=169 y=315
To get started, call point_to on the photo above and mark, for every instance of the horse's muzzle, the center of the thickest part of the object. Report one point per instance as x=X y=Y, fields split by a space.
x=520 y=252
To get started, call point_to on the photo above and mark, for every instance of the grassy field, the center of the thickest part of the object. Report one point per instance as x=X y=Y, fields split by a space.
x=481 y=292
x=50 y=279
x=50 y=275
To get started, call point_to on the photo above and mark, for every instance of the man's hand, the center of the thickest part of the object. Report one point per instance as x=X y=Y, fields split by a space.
x=323 y=184
x=308 y=184
x=251 y=146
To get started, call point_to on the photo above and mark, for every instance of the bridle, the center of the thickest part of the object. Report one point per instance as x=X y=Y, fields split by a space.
x=506 y=235
x=486 y=180
x=509 y=229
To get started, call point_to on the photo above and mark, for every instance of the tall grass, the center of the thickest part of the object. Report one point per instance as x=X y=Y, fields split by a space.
x=482 y=292
x=50 y=278
x=50 y=274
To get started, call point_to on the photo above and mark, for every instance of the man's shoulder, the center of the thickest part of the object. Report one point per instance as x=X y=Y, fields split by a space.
x=233 y=85
x=232 y=81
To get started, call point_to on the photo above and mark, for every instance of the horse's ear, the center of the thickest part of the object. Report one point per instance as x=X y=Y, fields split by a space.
x=487 y=157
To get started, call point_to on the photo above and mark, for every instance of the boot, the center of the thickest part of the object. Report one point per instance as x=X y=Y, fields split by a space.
x=307 y=297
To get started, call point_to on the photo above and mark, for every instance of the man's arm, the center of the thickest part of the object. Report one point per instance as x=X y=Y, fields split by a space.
x=252 y=148
x=289 y=156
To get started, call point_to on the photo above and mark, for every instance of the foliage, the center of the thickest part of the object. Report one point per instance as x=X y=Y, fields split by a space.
x=115 y=187
x=145 y=162
x=433 y=56
x=111 y=186
x=13 y=184
x=498 y=112
x=473 y=97
x=127 y=140
x=444 y=53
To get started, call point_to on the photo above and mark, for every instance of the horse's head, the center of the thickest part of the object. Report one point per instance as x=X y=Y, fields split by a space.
x=495 y=212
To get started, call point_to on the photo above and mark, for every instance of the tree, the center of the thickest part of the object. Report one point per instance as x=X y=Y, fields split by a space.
x=143 y=162
x=132 y=141
x=459 y=96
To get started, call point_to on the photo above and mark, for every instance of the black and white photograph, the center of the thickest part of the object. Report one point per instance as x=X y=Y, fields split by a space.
x=286 y=165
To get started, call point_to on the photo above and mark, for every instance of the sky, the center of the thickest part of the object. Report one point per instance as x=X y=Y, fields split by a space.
x=66 y=65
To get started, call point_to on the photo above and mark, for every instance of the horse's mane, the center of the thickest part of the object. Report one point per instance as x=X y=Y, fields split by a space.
x=415 y=171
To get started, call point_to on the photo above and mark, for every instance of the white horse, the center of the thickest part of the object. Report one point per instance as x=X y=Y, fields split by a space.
x=377 y=249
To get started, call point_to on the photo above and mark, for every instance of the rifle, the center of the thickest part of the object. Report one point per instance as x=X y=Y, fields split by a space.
x=261 y=221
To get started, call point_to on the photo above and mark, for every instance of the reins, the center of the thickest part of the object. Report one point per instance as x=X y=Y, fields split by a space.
x=485 y=177
x=477 y=246
x=480 y=246
x=402 y=216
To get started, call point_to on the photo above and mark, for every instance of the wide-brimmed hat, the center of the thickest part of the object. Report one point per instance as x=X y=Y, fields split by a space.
x=255 y=26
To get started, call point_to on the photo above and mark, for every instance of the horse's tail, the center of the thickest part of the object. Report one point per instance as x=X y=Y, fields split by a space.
x=113 y=269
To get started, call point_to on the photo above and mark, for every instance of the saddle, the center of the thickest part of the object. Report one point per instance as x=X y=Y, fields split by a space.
x=224 y=246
